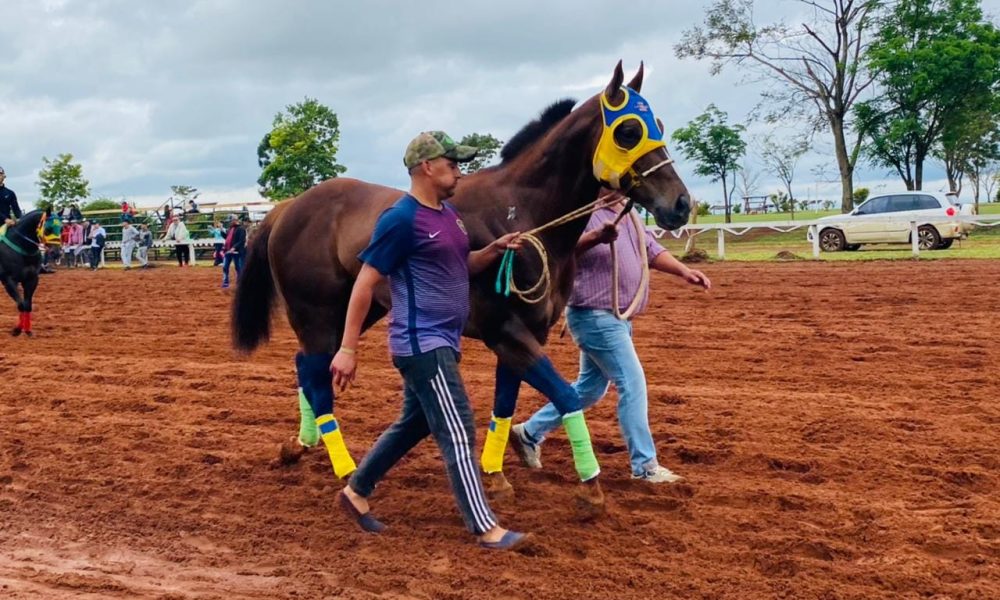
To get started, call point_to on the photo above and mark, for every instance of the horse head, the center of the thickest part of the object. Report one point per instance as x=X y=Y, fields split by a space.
x=630 y=153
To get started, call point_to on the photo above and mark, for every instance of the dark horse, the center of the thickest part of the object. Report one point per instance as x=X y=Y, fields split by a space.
x=20 y=260
x=307 y=248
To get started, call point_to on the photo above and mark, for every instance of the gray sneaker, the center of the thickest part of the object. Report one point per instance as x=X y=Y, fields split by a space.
x=658 y=474
x=530 y=454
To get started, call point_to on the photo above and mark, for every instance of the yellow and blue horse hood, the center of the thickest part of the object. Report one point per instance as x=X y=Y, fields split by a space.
x=612 y=161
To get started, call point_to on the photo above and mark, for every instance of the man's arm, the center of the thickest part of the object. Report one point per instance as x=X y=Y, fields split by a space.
x=666 y=263
x=344 y=365
x=15 y=208
x=481 y=259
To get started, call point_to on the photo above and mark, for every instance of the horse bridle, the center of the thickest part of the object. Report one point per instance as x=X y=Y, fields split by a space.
x=636 y=180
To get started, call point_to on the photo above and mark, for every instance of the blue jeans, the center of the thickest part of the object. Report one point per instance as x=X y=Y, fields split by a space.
x=232 y=258
x=434 y=404
x=606 y=355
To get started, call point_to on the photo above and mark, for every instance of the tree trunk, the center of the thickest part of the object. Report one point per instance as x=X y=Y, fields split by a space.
x=725 y=198
x=690 y=245
x=844 y=164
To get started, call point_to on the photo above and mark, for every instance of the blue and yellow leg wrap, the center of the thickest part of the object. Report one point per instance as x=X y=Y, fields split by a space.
x=333 y=439
x=496 y=443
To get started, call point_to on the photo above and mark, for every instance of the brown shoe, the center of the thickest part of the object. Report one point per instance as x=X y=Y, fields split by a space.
x=590 y=499
x=497 y=487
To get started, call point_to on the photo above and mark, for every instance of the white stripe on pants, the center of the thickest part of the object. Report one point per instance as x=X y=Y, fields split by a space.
x=466 y=466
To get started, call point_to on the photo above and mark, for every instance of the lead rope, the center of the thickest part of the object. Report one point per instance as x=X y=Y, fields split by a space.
x=643 y=280
x=505 y=276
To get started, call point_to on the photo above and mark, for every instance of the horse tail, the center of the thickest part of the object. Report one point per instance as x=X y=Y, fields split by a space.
x=255 y=295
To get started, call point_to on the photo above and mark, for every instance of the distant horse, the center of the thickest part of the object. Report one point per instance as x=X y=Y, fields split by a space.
x=20 y=260
x=306 y=249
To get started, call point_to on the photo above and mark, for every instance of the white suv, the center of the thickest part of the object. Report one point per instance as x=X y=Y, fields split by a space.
x=885 y=219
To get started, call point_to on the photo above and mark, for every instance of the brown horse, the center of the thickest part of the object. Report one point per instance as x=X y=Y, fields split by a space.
x=306 y=249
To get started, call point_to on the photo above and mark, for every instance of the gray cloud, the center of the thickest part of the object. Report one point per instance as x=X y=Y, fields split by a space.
x=150 y=95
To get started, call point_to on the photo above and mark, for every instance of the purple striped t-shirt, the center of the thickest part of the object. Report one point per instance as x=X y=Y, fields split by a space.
x=592 y=286
x=424 y=252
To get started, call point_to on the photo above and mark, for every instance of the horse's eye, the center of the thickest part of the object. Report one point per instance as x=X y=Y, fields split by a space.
x=628 y=134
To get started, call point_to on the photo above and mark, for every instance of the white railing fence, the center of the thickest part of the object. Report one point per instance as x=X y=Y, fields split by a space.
x=739 y=229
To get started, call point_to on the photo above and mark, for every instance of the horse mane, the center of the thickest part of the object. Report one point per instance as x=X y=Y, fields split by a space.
x=533 y=131
x=27 y=218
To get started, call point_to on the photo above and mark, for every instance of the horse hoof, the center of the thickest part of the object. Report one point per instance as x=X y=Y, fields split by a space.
x=590 y=500
x=497 y=487
x=15 y=332
x=29 y=334
x=290 y=452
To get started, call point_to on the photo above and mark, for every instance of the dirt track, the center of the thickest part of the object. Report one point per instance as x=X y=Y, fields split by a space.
x=837 y=425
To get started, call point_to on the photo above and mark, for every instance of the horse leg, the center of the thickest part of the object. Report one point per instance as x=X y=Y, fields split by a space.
x=11 y=286
x=319 y=332
x=518 y=348
x=29 y=285
x=505 y=391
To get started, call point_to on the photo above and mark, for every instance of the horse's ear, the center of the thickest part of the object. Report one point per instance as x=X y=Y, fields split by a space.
x=614 y=92
x=636 y=83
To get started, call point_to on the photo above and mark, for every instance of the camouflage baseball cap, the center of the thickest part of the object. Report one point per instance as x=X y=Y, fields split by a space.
x=435 y=144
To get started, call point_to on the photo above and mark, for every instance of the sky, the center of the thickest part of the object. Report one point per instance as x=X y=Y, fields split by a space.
x=148 y=95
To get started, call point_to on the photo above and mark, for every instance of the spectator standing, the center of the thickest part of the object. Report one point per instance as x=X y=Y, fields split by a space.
x=130 y=239
x=98 y=237
x=178 y=232
x=235 y=249
x=218 y=242
x=75 y=214
x=145 y=243
x=72 y=250
x=86 y=229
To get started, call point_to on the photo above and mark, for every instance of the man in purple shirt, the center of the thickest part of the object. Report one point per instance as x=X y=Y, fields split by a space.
x=421 y=245
x=606 y=350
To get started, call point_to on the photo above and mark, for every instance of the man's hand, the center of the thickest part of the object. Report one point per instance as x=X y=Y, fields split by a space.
x=607 y=234
x=698 y=278
x=505 y=241
x=8 y=221
x=344 y=367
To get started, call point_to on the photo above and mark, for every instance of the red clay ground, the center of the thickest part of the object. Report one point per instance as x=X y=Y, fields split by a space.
x=837 y=425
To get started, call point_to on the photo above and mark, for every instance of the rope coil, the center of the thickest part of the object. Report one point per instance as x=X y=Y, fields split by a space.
x=540 y=289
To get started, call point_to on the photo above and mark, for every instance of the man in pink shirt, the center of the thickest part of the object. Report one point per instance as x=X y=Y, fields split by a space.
x=606 y=350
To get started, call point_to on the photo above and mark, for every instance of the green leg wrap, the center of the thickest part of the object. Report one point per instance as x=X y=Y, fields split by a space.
x=308 y=432
x=579 y=439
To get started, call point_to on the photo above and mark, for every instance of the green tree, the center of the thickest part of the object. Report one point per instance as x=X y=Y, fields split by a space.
x=814 y=67
x=181 y=195
x=61 y=182
x=488 y=146
x=861 y=194
x=102 y=203
x=781 y=158
x=300 y=151
x=969 y=143
x=935 y=61
x=716 y=147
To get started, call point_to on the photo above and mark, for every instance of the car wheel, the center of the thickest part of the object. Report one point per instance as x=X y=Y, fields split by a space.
x=945 y=244
x=852 y=247
x=831 y=240
x=928 y=237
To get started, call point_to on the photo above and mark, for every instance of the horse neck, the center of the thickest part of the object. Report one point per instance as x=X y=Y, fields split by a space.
x=28 y=226
x=557 y=181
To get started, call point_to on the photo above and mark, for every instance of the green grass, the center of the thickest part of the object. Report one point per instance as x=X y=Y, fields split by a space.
x=807 y=215
x=983 y=243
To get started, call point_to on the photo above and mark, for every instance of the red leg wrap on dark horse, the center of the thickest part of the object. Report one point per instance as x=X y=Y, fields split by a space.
x=27 y=323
